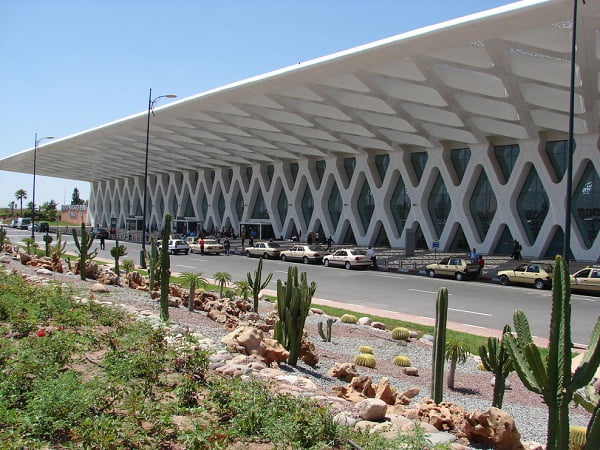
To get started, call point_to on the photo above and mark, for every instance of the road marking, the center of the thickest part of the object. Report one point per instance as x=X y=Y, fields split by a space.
x=396 y=277
x=584 y=299
x=470 y=312
x=181 y=265
x=425 y=292
x=281 y=271
x=425 y=317
x=199 y=260
x=474 y=326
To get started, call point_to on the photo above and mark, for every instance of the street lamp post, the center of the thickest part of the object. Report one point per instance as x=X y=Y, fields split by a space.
x=151 y=103
x=37 y=141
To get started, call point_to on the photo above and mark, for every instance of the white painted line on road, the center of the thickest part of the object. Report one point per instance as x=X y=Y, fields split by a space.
x=474 y=326
x=585 y=299
x=281 y=271
x=199 y=260
x=423 y=292
x=181 y=265
x=396 y=277
x=470 y=312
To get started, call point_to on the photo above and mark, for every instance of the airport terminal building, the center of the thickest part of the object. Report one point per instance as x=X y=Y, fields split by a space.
x=455 y=134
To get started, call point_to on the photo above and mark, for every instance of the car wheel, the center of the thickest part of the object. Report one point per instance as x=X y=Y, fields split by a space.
x=283 y=258
x=305 y=260
x=326 y=262
x=265 y=255
x=248 y=254
x=459 y=276
x=431 y=273
x=504 y=280
x=539 y=284
x=348 y=266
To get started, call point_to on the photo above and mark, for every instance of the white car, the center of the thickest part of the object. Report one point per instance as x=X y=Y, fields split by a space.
x=348 y=258
x=210 y=246
x=304 y=253
x=264 y=249
x=176 y=246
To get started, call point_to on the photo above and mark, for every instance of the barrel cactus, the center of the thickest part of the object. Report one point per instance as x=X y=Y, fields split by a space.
x=402 y=361
x=365 y=360
x=577 y=437
x=400 y=334
x=365 y=349
x=348 y=318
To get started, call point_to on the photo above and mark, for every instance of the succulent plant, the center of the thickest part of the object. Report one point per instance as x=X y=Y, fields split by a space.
x=577 y=437
x=402 y=361
x=365 y=349
x=365 y=360
x=439 y=346
x=326 y=336
x=400 y=334
x=481 y=367
x=348 y=318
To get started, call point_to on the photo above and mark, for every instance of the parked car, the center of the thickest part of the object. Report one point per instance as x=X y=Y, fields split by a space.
x=304 y=253
x=177 y=246
x=348 y=258
x=100 y=232
x=39 y=226
x=13 y=224
x=587 y=279
x=265 y=249
x=537 y=274
x=23 y=223
x=454 y=266
x=210 y=246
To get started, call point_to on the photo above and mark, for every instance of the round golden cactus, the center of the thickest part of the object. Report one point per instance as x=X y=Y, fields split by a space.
x=365 y=360
x=402 y=361
x=400 y=334
x=577 y=436
x=365 y=349
x=348 y=318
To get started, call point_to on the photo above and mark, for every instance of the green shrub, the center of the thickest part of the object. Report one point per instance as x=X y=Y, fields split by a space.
x=348 y=318
x=400 y=334
x=402 y=361
x=365 y=360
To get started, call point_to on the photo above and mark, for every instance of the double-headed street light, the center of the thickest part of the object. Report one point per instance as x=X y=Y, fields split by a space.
x=151 y=103
x=37 y=141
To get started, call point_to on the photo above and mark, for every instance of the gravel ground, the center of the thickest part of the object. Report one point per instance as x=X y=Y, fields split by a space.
x=472 y=390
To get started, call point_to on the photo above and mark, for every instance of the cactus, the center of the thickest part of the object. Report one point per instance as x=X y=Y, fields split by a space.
x=577 y=436
x=116 y=252
x=324 y=336
x=192 y=280
x=127 y=265
x=495 y=359
x=402 y=361
x=439 y=345
x=2 y=238
x=293 y=305
x=456 y=352
x=59 y=246
x=47 y=240
x=400 y=334
x=256 y=285
x=552 y=377
x=30 y=245
x=83 y=248
x=165 y=272
x=365 y=349
x=153 y=264
x=365 y=360
x=348 y=318
x=481 y=367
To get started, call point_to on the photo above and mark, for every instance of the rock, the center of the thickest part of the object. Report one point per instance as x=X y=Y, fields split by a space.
x=344 y=419
x=364 y=385
x=440 y=437
x=316 y=311
x=99 y=288
x=365 y=321
x=5 y=259
x=372 y=409
x=343 y=371
x=379 y=325
x=493 y=428
x=411 y=371
x=24 y=258
x=44 y=272
x=384 y=391
x=427 y=338
x=411 y=392
x=308 y=353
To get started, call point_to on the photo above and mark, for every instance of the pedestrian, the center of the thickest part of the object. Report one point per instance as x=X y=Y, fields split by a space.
x=371 y=254
x=480 y=263
x=226 y=246
x=517 y=250
x=474 y=256
x=102 y=243
x=202 y=246
x=329 y=242
x=250 y=241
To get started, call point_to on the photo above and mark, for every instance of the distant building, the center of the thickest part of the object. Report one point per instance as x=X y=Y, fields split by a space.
x=74 y=214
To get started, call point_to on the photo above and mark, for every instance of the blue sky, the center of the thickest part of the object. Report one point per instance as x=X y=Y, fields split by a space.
x=70 y=65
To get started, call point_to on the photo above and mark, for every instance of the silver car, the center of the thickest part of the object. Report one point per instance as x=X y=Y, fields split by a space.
x=347 y=258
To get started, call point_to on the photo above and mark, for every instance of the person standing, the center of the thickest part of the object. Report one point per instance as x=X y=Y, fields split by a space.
x=481 y=264
x=226 y=246
x=329 y=242
x=371 y=254
x=474 y=256
x=202 y=246
x=102 y=243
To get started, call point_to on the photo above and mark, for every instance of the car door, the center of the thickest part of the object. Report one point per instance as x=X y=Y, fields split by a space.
x=520 y=273
x=594 y=280
x=339 y=257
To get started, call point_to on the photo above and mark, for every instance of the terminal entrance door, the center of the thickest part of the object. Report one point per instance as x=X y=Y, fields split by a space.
x=260 y=231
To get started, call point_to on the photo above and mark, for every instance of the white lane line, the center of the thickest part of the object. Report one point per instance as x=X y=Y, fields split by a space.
x=425 y=292
x=181 y=265
x=281 y=271
x=199 y=260
x=470 y=312
x=396 y=277
x=584 y=299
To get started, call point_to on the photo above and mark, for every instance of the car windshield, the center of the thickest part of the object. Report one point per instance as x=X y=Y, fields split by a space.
x=273 y=245
x=358 y=252
x=316 y=248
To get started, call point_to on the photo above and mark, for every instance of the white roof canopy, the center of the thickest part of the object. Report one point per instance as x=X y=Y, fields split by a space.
x=501 y=74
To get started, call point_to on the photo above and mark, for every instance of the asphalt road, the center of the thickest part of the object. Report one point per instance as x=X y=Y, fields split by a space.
x=480 y=304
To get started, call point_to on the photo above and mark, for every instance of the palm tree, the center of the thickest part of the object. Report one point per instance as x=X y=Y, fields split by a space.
x=222 y=278
x=12 y=205
x=457 y=352
x=243 y=288
x=191 y=280
x=20 y=195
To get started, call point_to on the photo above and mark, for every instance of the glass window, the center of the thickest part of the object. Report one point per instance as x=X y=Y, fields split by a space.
x=260 y=210
x=320 y=168
x=248 y=174
x=282 y=206
x=221 y=206
x=418 y=161
x=400 y=205
x=439 y=205
x=558 y=152
x=382 y=163
x=307 y=205
x=294 y=171
x=270 y=171
x=483 y=205
x=239 y=205
x=349 y=166
x=585 y=205
x=334 y=205
x=532 y=205
x=460 y=160
x=365 y=204
x=506 y=156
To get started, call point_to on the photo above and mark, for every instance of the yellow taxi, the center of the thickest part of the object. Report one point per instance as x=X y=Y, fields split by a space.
x=537 y=274
x=587 y=279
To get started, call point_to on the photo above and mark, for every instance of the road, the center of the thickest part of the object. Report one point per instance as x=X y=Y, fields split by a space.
x=479 y=304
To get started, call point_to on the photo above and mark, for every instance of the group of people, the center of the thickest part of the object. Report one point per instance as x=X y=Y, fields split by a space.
x=476 y=258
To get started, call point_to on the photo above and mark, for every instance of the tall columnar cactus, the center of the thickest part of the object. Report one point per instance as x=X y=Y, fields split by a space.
x=439 y=345
x=256 y=285
x=153 y=264
x=293 y=304
x=2 y=238
x=552 y=377
x=326 y=336
x=117 y=252
x=47 y=241
x=83 y=248
x=165 y=272
x=496 y=359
